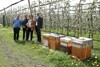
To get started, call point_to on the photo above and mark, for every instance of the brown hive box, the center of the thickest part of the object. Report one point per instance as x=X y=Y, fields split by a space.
x=66 y=44
x=46 y=39
x=82 y=48
x=54 y=41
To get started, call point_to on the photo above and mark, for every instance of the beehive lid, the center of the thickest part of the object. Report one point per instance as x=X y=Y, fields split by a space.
x=76 y=42
x=56 y=35
x=66 y=39
x=61 y=35
x=48 y=34
x=82 y=41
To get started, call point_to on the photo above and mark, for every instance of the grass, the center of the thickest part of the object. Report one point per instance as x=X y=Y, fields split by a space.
x=29 y=54
x=3 y=60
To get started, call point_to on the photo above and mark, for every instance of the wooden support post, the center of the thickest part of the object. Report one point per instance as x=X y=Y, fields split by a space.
x=3 y=20
x=30 y=7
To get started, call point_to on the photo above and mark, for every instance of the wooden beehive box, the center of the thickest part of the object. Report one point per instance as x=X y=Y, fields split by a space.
x=82 y=48
x=65 y=44
x=54 y=41
x=46 y=39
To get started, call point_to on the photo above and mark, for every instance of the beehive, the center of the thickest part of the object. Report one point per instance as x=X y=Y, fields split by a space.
x=82 y=48
x=46 y=39
x=54 y=41
x=65 y=44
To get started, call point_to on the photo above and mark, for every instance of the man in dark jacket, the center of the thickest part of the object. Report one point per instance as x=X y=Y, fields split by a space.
x=39 y=24
x=25 y=21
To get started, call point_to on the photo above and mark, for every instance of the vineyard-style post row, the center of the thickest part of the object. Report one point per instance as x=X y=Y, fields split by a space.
x=50 y=16
x=63 y=19
x=81 y=22
x=49 y=26
x=6 y=22
x=67 y=6
x=55 y=22
x=99 y=17
x=29 y=7
x=90 y=20
x=99 y=10
x=45 y=15
x=3 y=20
x=58 y=17
x=79 y=18
x=34 y=9
x=11 y=18
x=92 y=12
x=89 y=27
x=75 y=21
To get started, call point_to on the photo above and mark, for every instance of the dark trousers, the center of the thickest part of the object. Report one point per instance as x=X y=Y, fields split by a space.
x=29 y=32
x=38 y=32
x=24 y=33
x=16 y=33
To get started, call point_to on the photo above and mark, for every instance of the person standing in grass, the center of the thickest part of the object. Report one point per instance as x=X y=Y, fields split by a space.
x=30 y=28
x=16 y=27
x=25 y=21
x=38 y=27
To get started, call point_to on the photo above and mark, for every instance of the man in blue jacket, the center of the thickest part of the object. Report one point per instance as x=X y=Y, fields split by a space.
x=16 y=27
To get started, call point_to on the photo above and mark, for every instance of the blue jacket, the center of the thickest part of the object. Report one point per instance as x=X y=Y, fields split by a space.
x=17 y=23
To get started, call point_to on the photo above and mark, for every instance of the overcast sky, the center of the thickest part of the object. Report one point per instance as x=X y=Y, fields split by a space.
x=5 y=3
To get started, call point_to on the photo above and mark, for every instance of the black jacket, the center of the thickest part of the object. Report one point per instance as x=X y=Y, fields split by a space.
x=39 y=22
x=25 y=21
